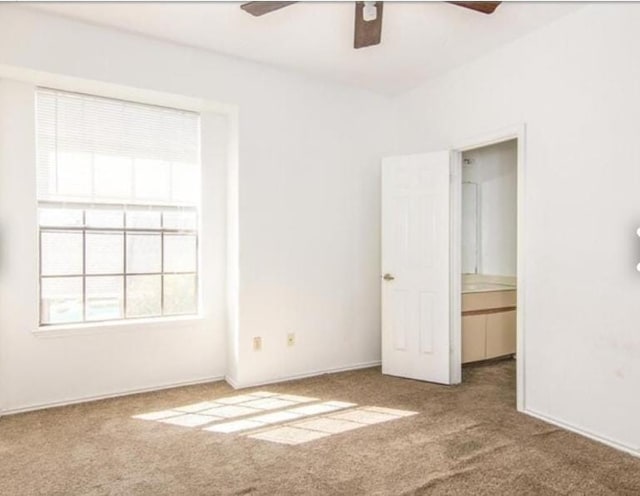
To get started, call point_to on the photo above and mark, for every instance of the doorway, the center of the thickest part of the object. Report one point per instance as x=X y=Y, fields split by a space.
x=489 y=253
x=421 y=264
x=487 y=290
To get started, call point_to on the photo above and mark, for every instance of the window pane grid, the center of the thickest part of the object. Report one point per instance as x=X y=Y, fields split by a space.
x=178 y=291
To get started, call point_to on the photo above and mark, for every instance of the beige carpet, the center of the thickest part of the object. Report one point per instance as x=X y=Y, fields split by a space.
x=465 y=440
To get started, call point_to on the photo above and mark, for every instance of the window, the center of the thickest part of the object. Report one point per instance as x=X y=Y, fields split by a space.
x=118 y=201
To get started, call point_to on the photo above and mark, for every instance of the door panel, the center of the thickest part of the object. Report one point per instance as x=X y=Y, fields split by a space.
x=415 y=254
x=400 y=316
x=426 y=321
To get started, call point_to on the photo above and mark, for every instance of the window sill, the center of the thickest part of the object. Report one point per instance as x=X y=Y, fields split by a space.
x=84 y=328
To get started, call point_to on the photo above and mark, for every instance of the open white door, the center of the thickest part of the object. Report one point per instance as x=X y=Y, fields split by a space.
x=416 y=234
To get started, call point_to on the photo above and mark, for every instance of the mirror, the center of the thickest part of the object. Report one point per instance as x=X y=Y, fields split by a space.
x=470 y=228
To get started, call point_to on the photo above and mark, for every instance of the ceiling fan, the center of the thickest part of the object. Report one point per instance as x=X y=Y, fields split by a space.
x=368 y=18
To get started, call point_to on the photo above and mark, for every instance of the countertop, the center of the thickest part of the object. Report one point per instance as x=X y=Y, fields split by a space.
x=479 y=283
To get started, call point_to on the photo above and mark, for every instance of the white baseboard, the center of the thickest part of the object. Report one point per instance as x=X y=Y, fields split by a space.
x=242 y=385
x=86 y=399
x=231 y=381
x=635 y=451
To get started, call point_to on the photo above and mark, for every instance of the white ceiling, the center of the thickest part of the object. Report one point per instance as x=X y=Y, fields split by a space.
x=419 y=40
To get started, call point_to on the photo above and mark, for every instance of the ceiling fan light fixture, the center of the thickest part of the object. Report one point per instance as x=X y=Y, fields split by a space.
x=369 y=12
x=368 y=16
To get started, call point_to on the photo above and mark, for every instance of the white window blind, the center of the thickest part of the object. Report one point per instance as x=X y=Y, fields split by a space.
x=92 y=148
x=118 y=195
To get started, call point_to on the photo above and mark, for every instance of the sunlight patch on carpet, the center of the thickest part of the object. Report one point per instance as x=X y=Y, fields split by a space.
x=302 y=431
x=229 y=407
x=279 y=418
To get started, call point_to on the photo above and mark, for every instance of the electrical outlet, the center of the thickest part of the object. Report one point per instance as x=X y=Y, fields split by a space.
x=257 y=343
x=291 y=339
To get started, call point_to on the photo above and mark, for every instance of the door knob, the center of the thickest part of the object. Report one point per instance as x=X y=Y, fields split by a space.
x=388 y=277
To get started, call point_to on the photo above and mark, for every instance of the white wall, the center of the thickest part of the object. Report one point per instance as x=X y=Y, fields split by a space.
x=493 y=169
x=575 y=85
x=306 y=213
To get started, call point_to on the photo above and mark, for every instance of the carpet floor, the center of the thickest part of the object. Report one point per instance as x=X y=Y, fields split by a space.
x=465 y=440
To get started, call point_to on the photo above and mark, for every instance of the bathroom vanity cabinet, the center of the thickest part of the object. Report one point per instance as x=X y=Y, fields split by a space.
x=488 y=324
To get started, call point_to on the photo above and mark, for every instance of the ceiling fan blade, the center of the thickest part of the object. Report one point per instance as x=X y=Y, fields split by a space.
x=367 y=33
x=261 y=8
x=484 y=7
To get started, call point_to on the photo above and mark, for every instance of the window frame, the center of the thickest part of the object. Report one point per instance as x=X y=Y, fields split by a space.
x=161 y=231
x=197 y=309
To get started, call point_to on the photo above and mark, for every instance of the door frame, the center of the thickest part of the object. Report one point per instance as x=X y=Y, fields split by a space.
x=517 y=132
